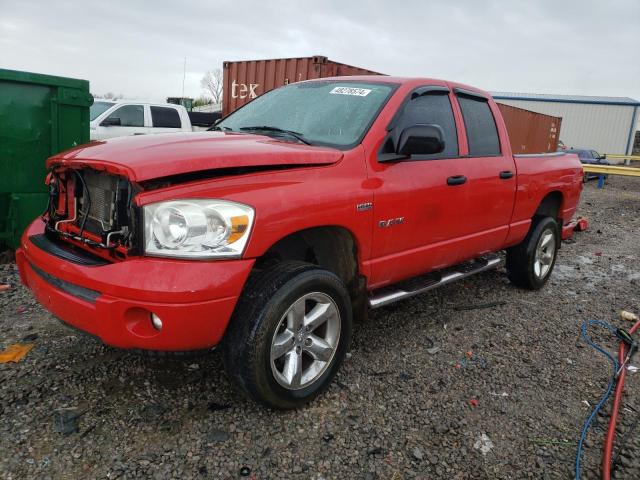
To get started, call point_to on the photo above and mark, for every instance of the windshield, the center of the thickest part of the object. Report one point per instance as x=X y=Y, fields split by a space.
x=330 y=113
x=99 y=107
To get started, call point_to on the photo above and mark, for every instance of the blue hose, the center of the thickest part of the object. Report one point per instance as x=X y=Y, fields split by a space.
x=612 y=382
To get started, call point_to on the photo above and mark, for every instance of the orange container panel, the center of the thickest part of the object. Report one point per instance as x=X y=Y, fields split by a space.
x=245 y=80
x=531 y=132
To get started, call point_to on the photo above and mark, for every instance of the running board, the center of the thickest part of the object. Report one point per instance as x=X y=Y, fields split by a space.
x=423 y=283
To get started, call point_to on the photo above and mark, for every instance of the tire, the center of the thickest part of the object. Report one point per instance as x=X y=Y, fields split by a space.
x=522 y=260
x=271 y=318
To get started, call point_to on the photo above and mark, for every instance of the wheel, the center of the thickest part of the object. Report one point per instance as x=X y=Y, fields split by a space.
x=289 y=334
x=530 y=263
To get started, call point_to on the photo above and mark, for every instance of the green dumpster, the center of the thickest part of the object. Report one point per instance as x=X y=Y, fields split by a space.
x=40 y=115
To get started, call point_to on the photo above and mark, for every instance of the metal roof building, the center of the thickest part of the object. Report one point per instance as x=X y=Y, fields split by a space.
x=605 y=124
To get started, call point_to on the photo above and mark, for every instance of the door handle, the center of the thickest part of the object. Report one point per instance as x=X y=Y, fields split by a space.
x=456 y=180
x=506 y=174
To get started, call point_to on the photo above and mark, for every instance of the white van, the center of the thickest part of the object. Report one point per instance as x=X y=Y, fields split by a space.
x=118 y=118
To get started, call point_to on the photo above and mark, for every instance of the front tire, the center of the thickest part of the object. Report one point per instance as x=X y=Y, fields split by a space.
x=289 y=334
x=530 y=263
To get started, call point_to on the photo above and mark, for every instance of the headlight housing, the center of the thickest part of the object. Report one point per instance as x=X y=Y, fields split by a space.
x=197 y=228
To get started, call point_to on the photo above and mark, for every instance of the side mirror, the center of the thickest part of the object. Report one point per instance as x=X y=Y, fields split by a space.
x=422 y=139
x=111 y=122
x=603 y=156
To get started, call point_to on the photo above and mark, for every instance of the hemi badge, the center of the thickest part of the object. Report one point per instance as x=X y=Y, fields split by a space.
x=363 y=207
x=391 y=222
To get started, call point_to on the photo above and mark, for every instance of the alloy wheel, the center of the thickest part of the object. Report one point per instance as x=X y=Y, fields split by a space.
x=305 y=341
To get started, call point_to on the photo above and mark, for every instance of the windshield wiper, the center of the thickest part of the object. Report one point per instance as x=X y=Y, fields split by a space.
x=298 y=136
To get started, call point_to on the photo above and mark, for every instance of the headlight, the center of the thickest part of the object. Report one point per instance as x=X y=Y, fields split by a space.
x=197 y=228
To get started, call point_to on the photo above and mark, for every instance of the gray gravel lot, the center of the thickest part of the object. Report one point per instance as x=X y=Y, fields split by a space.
x=74 y=408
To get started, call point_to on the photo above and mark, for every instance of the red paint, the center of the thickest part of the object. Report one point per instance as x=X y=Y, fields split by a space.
x=142 y=157
x=473 y=402
x=194 y=299
x=579 y=225
x=582 y=225
x=442 y=225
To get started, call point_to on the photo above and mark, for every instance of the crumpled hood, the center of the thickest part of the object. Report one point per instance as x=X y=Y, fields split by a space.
x=146 y=157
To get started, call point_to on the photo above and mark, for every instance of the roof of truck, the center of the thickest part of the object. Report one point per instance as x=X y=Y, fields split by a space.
x=125 y=100
x=415 y=81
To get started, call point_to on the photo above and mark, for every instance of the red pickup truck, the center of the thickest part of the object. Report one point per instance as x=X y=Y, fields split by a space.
x=302 y=209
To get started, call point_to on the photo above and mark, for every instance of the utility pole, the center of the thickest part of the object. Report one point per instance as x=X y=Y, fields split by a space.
x=184 y=74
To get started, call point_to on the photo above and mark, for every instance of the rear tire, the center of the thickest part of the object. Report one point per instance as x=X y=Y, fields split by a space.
x=288 y=335
x=530 y=263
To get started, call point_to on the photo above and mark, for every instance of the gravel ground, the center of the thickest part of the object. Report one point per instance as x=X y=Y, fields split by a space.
x=512 y=377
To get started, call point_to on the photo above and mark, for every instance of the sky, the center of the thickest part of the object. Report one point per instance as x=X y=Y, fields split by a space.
x=138 y=49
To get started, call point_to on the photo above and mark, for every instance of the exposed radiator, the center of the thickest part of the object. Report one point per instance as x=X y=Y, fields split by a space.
x=102 y=192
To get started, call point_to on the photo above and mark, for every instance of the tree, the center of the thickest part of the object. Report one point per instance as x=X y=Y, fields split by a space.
x=212 y=84
x=109 y=96
x=201 y=101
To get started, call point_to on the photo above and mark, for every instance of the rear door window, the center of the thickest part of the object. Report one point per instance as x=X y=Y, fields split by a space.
x=165 y=117
x=429 y=108
x=482 y=133
x=129 y=115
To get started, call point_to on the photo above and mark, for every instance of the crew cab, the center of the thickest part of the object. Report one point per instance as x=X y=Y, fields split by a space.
x=267 y=236
x=119 y=118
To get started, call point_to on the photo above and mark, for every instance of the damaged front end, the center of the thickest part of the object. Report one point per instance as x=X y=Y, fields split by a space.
x=84 y=263
x=93 y=210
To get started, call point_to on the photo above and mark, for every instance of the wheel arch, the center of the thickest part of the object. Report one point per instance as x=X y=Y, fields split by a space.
x=329 y=246
x=551 y=206
x=332 y=247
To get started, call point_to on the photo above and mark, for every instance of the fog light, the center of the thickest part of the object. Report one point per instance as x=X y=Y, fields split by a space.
x=156 y=322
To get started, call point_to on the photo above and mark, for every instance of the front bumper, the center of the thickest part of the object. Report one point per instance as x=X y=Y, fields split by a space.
x=194 y=299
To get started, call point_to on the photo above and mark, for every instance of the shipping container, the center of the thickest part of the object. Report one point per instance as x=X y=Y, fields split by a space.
x=530 y=132
x=604 y=124
x=40 y=115
x=245 y=80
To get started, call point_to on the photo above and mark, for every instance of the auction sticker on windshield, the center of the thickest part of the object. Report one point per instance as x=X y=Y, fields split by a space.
x=358 y=92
